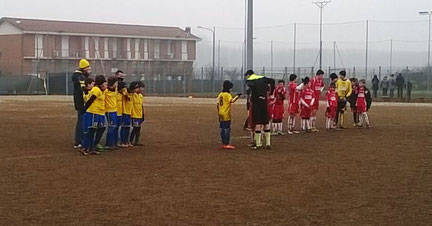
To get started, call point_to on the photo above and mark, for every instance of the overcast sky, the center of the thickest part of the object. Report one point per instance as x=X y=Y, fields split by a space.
x=226 y=14
x=211 y=12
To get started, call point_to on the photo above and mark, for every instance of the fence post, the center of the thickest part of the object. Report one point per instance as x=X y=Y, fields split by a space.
x=379 y=72
x=202 y=79
x=67 y=83
x=47 y=83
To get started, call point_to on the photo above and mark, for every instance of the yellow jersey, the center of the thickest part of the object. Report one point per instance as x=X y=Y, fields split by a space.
x=120 y=101
x=110 y=100
x=98 y=105
x=127 y=104
x=137 y=109
x=86 y=97
x=343 y=88
x=224 y=106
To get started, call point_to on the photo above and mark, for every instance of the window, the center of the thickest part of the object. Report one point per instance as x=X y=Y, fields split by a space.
x=96 y=47
x=184 y=50
x=65 y=46
x=114 y=48
x=106 y=52
x=128 y=48
x=170 y=49
x=146 y=50
x=137 y=49
x=156 y=49
x=86 y=47
x=39 y=46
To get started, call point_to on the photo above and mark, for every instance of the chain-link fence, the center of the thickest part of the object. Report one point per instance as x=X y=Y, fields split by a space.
x=202 y=81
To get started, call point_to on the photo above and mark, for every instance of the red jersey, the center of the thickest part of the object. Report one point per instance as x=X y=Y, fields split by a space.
x=280 y=93
x=361 y=99
x=307 y=97
x=331 y=97
x=293 y=93
x=270 y=104
x=317 y=84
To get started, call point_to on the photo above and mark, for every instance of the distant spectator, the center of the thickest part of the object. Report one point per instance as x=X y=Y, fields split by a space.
x=392 y=85
x=375 y=86
x=385 y=83
x=400 y=83
x=409 y=88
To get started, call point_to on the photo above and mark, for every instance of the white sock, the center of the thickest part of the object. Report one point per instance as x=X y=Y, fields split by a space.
x=303 y=124
x=366 y=118
x=280 y=126
x=308 y=124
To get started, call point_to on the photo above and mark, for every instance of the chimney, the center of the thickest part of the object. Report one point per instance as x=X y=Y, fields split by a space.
x=188 y=31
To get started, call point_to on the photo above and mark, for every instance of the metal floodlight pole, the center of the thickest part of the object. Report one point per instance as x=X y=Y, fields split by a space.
x=219 y=54
x=391 y=56
x=249 y=36
x=271 y=57
x=367 y=48
x=295 y=43
x=321 y=5
x=213 y=54
x=429 y=14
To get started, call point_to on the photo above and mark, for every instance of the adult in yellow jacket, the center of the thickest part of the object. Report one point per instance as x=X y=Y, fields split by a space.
x=343 y=90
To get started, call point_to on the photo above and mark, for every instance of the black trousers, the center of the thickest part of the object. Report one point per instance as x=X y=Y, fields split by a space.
x=400 y=92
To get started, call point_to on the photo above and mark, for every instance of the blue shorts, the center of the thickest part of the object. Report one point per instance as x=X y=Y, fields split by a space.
x=119 y=120
x=225 y=124
x=111 y=118
x=136 y=122
x=126 y=120
x=94 y=121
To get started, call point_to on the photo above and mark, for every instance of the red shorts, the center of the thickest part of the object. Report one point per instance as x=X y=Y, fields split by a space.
x=278 y=111
x=331 y=112
x=315 y=106
x=293 y=109
x=270 y=110
x=305 y=112
x=361 y=107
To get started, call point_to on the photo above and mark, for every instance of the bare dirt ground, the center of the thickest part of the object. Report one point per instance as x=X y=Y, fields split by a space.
x=379 y=176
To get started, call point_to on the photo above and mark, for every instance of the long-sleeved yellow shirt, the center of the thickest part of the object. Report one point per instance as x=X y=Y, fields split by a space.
x=343 y=88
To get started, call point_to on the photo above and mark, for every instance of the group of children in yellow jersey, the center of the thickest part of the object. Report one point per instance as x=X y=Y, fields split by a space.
x=304 y=102
x=109 y=103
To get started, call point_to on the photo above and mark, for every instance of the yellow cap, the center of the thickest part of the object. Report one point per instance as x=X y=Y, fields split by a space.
x=84 y=63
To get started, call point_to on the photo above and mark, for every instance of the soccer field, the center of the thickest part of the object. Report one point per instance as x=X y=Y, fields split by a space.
x=180 y=176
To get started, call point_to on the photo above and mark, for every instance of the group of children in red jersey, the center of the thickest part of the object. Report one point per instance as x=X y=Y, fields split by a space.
x=303 y=101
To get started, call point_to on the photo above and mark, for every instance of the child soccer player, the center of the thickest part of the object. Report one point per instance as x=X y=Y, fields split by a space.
x=271 y=103
x=317 y=85
x=344 y=90
x=137 y=113
x=307 y=100
x=126 y=117
x=88 y=85
x=111 y=112
x=121 y=92
x=224 y=101
x=364 y=102
x=278 y=110
x=353 y=101
x=94 y=118
x=332 y=101
x=293 y=106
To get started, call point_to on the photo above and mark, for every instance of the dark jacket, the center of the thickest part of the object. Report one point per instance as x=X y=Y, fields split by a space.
x=259 y=86
x=78 y=87
x=368 y=99
x=375 y=83
x=400 y=81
